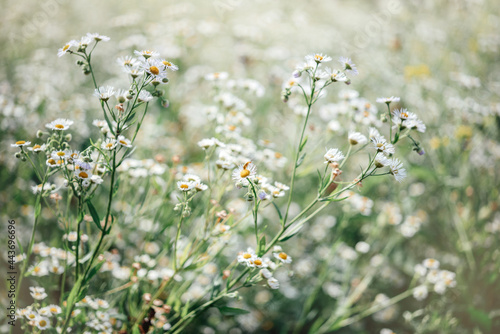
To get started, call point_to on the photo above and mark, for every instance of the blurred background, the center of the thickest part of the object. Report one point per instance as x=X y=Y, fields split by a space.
x=440 y=57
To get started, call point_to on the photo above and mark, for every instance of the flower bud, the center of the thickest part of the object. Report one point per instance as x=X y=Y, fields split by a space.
x=39 y=134
x=68 y=137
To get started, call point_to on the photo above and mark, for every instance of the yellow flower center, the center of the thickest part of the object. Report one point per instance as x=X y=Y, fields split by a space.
x=216 y=75
x=109 y=145
x=278 y=155
x=61 y=154
x=184 y=186
x=21 y=142
x=154 y=70
x=37 y=269
x=318 y=57
x=123 y=142
x=257 y=262
x=167 y=63
x=244 y=173
x=53 y=310
x=60 y=162
x=231 y=127
x=51 y=161
x=66 y=47
x=59 y=126
x=55 y=269
x=283 y=256
x=247 y=256
x=404 y=115
x=83 y=175
x=42 y=323
x=31 y=316
x=36 y=147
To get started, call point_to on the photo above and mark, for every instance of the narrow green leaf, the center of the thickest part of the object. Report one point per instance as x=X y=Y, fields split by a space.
x=95 y=216
x=303 y=144
x=301 y=159
x=278 y=211
x=331 y=199
x=232 y=311
x=262 y=245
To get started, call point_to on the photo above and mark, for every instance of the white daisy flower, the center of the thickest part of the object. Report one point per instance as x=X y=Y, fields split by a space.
x=60 y=154
x=256 y=262
x=356 y=138
x=265 y=273
x=246 y=257
x=388 y=99
x=42 y=323
x=281 y=186
x=373 y=133
x=381 y=145
x=381 y=160
x=38 y=293
x=31 y=315
x=335 y=75
x=21 y=143
x=169 y=65
x=318 y=58
x=397 y=169
x=134 y=72
x=60 y=124
x=217 y=76
x=333 y=155
x=185 y=185
x=83 y=175
x=420 y=292
x=431 y=263
x=109 y=144
x=96 y=179
x=37 y=148
x=128 y=61
x=51 y=162
x=97 y=37
x=283 y=257
x=349 y=66
x=104 y=93
x=191 y=178
x=147 y=54
x=124 y=141
x=402 y=114
x=245 y=171
x=154 y=67
x=273 y=283
x=66 y=48
x=38 y=189
x=145 y=96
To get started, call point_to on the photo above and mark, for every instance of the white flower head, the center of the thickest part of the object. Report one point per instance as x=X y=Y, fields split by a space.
x=185 y=185
x=104 y=93
x=397 y=169
x=245 y=171
x=349 y=66
x=333 y=155
x=20 y=143
x=318 y=58
x=388 y=99
x=109 y=144
x=356 y=138
x=59 y=124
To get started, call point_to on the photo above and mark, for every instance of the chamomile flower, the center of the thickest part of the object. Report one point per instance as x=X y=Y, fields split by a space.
x=256 y=262
x=147 y=54
x=244 y=172
x=185 y=185
x=128 y=61
x=104 y=93
x=38 y=189
x=191 y=178
x=134 y=72
x=124 y=141
x=38 y=293
x=42 y=323
x=431 y=263
x=356 y=138
x=335 y=75
x=381 y=160
x=397 y=169
x=60 y=124
x=31 y=315
x=109 y=144
x=97 y=37
x=246 y=257
x=20 y=143
x=216 y=76
x=66 y=48
x=265 y=273
x=333 y=155
x=381 y=145
x=283 y=257
x=37 y=148
x=349 y=66
x=281 y=186
x=273 y=283
x=402 y=114
x=388 y=99
x=154 y=67
x=83 y=175
x=145 y=96
x=318 y=58
x=60 y=154
x=169 y=65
